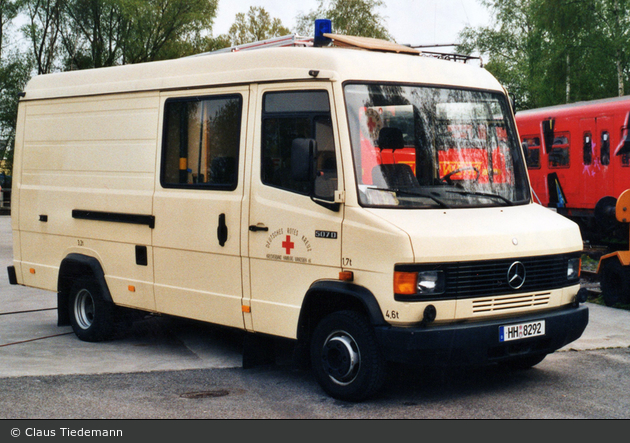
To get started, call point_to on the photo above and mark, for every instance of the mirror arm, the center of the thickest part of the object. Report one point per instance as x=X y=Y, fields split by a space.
x=333 y=206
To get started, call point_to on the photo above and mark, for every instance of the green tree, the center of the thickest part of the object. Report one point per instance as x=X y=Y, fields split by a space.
x=15 y=71
x=613 y=20
x=92 y=34
x=160 y=29
x=549 y=52
x=45 y=18
x=78 y=34
x=8 y=11
x=349 y=17
x=512 y=46
x=255 y=25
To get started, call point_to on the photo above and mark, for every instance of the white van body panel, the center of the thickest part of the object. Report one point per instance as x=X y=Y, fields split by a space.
x=446 y=235
x=86 y=153
x=265 y=65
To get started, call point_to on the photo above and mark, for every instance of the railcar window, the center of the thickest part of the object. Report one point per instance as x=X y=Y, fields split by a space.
x=559 y=157
x=588 y=148
x=605 y=148
x=532 y=153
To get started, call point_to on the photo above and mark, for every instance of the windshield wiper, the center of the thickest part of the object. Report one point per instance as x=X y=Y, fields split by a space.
x=481 y=194
x=415 y=194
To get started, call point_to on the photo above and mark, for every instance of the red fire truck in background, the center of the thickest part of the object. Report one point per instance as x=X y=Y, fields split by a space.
x=578 y=158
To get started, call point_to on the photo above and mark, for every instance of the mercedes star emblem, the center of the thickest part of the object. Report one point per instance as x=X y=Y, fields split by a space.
x=516 y=275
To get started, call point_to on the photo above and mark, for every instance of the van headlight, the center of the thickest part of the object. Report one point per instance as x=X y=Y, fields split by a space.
x=573 y=268
x=419 y=284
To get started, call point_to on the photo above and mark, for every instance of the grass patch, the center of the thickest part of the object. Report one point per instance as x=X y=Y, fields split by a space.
x=599 y=300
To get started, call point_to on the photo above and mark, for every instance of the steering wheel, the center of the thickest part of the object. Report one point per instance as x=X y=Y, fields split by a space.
x=447 y=177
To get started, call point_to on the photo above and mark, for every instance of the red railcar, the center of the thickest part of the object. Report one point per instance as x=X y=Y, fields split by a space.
x=578 y=157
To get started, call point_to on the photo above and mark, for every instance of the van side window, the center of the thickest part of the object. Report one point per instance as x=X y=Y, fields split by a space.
x=297 y=114
x=605 y=148
x=201 y=142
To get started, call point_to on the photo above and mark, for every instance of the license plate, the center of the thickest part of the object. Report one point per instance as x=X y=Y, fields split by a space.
x=521 y=330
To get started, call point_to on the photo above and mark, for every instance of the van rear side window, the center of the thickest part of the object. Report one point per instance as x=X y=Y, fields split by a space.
x=201 y=142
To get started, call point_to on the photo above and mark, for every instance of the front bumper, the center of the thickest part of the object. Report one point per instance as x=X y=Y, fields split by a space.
x=478 y=343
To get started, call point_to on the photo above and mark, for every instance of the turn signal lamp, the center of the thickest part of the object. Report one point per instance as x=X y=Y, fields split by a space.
x=346 y=276
x=419 y=283
x=405 y=283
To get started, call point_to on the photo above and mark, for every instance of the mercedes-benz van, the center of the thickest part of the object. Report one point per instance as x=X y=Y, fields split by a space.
x=357 y=197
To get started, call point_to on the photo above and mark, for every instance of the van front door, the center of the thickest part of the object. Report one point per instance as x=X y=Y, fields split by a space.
x=293 y=241
x=197 y=206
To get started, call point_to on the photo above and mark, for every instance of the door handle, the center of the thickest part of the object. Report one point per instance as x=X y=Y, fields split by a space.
x=222 y=230
x=258 y=227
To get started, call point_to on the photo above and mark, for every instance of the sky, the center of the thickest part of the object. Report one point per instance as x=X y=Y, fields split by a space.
x=413 y=22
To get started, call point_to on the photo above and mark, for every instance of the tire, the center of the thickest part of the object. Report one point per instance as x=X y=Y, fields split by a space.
x=615 y=283
x=345 y=357
x=92 y=318
x=525 y=362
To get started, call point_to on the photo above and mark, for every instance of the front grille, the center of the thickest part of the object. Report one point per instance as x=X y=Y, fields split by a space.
x=487 y=278
x=504 y=303
x=473 y=279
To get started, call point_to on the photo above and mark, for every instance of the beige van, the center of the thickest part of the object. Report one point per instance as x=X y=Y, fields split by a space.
x=366 y=201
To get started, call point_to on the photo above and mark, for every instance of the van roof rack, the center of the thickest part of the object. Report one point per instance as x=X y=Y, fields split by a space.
x=284 y=41
x=323 y=38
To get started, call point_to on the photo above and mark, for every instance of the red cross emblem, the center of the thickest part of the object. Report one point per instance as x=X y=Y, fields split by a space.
x=288 y=245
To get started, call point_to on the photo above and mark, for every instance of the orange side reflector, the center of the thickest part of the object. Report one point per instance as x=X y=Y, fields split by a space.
x=32 y=271
x=405 y=283
x=131 y=288
x=346 y=276
x=245 y=308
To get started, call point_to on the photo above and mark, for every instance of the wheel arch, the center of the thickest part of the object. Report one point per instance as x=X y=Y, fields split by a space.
x=74 y=266
x=328 y=296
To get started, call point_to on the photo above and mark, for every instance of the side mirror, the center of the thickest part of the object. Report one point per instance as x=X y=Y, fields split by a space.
x=303 y=151
x=303 y=155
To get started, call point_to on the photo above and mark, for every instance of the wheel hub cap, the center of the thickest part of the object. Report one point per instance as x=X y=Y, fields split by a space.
x=341 y=358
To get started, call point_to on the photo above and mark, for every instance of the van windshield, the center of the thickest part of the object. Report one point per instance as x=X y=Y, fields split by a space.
x=428 y=147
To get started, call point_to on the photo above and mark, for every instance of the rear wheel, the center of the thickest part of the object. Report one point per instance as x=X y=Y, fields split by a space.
x=615 y=283
x=92 y=318
x=345 y=357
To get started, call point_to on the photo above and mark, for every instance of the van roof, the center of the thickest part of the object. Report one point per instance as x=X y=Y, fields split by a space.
x=264 y=65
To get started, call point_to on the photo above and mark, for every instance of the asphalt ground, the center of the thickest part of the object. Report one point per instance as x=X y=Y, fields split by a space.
x=31 y=343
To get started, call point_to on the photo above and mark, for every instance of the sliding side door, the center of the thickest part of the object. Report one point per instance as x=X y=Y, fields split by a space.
x=197 y=205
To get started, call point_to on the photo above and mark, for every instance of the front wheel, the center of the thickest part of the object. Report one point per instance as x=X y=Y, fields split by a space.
x=346 y=360
x=92 y=318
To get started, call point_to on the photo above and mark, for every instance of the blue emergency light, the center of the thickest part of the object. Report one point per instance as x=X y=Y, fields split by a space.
x=322 y=26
